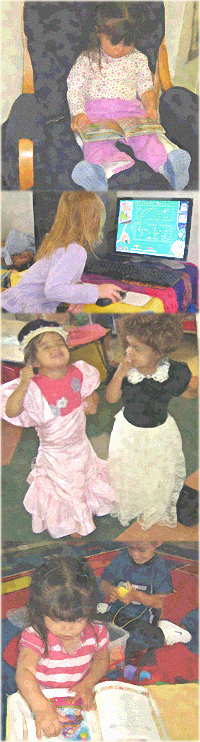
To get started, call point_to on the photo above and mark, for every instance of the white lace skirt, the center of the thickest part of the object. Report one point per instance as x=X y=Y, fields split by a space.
x=147 y=471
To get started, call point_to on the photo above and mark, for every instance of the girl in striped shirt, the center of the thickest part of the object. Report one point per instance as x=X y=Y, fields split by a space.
x=64 y=647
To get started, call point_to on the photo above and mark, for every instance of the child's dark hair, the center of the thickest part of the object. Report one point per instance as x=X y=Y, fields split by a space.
x=114 y=20
x=162 y=332
x=64 y=589
x=30 y=352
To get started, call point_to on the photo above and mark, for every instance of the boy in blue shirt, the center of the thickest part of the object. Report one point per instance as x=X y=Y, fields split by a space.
x=136 y=584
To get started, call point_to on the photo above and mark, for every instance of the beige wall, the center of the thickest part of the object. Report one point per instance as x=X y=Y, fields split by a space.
x=12 y=53
x=16 y=211
x=187 y=73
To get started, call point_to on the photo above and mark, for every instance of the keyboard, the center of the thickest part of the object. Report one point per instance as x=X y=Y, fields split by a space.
x=127 y=270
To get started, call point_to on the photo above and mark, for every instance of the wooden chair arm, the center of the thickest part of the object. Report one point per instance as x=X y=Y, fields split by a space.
x=162 y=79
x=26 y=177
x=164 y=73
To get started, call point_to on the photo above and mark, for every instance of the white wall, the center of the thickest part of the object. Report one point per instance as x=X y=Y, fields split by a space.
x=173 y=25
x=12 y=53
x=16 y=211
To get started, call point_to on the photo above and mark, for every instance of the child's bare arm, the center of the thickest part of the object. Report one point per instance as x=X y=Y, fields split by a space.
x=111 y=592
x=149 y=102
x=155 y=600
x=14 y=404
x=113 y=391
x=91 y=403
x=46 y=719
x=98 y=669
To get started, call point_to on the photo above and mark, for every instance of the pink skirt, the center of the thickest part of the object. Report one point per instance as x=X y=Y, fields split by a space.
x=147 y=147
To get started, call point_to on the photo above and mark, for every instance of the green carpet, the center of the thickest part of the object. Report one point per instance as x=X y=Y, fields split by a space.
x=16 y=522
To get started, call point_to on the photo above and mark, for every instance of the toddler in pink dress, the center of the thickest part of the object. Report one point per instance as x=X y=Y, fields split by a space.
x=68 y=482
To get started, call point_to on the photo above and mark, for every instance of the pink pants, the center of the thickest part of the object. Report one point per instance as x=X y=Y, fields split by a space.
x=146 y=147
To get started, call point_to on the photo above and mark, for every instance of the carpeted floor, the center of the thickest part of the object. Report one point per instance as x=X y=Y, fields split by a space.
x=20 y=447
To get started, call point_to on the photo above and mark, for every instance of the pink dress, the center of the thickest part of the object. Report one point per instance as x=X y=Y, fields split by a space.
x=69 y=482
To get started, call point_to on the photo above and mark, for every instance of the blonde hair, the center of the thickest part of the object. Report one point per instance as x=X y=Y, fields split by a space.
x=80 y=218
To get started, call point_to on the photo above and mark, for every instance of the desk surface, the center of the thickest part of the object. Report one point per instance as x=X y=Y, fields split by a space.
x=178 y=705
x=153 y=305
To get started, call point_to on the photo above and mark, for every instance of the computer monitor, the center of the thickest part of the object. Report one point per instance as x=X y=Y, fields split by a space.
x=153 y=228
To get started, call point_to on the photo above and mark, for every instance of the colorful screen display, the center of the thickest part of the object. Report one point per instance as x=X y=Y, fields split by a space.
x=153 y=227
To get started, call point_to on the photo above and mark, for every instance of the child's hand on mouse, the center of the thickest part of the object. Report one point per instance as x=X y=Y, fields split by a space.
x=27 y=374
x=109 y=291
x=78 y=121
x=49 y=722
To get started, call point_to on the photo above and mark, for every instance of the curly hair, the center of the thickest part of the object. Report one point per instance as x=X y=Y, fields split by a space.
x=64 y=589
x=161 y=332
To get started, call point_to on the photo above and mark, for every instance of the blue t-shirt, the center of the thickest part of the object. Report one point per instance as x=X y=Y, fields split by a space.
x=152 y=577
x=191 y=622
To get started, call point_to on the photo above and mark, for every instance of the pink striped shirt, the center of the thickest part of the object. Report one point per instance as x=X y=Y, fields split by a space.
x=60 y=669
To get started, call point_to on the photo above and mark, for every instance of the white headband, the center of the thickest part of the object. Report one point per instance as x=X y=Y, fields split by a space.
x=33 y=333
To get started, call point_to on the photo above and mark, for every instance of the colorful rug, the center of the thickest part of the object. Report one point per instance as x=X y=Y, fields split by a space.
x=172 y=664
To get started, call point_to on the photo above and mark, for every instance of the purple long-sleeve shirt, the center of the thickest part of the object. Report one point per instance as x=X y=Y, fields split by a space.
x=51 y=281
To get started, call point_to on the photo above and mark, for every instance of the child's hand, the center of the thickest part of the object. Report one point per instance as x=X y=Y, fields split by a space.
x=152 y=114
x=109 y=291
x=49 y=722
x=79 y=120
x=83 y=691
x=125 y=365
x=114 y=595
x=27 y=374
x=91 y=403
x=130 y=595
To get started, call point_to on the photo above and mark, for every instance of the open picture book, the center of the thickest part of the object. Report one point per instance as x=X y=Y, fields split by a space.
x=123 y=128
x=121 y=712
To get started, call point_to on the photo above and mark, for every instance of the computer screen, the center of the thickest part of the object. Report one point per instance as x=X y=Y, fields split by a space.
x=154 y=227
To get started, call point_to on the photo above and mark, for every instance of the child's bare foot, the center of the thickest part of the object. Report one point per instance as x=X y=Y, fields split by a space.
x=75 y=535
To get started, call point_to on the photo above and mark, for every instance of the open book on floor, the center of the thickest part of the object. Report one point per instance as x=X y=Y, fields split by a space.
x=123 y=128
x=121 y=712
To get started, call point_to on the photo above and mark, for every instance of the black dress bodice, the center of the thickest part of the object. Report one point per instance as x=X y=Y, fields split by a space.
x=146 y=402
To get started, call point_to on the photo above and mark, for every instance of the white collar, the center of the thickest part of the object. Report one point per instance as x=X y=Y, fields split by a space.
x=161 y=373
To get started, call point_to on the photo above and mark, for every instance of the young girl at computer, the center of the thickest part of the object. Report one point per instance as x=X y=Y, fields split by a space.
x=56 y=274
x=64 y=646
x=105 y=83
x=146 y=462
x=68 y=482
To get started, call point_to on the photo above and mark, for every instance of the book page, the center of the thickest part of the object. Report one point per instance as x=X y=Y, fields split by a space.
x=102 y=129
x=137 y=126
x=125 y=714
